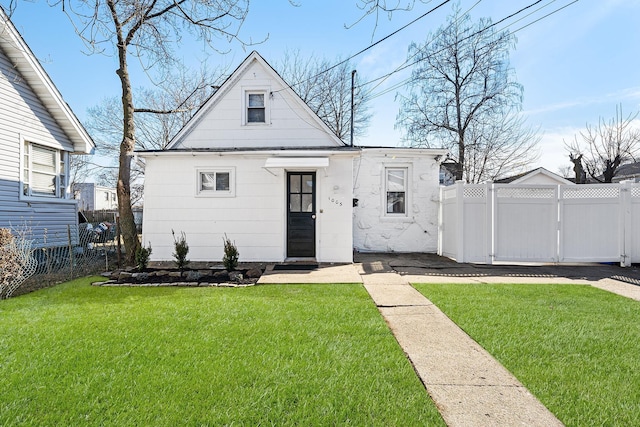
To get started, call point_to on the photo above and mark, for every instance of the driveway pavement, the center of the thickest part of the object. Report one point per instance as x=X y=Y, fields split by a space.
x=469 y=387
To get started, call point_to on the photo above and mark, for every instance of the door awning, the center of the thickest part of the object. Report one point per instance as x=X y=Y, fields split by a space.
x=297 y=162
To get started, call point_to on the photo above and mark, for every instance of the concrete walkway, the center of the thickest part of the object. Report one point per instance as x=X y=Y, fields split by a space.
x=469 y=387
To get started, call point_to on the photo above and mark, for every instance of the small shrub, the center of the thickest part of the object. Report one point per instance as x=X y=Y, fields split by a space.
x=231 y=254
x=182 y=249
x=142 y=257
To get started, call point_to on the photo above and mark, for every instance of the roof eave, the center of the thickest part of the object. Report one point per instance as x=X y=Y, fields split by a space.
x=36 y=77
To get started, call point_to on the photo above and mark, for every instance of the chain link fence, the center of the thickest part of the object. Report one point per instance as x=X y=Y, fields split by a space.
x=92 y=247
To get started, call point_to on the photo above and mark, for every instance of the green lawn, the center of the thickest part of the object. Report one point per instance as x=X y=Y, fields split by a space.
x=576 y=348
x=264 y=355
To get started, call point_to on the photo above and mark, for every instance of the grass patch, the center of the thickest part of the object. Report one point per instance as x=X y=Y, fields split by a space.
x=265 y=355
x=576 y=348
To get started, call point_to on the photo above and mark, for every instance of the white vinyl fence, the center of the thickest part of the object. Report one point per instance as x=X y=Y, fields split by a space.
x=487 y=223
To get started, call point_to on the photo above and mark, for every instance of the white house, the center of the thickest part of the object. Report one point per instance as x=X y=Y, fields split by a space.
x=93 y=197
x=38 y=133
x=255 y=163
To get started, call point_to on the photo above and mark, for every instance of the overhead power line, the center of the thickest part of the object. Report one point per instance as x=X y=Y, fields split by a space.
x=409 y=64
x=400 y=67
x=547 y=15
x=369 y=47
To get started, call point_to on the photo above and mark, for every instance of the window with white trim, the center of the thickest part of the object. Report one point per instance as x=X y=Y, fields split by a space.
x=396 y=191
x=216 y=182
x=256 y=107
x=44 y=172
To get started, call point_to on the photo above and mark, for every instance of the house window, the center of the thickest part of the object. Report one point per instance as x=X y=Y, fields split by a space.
x=216 y=182
x=43 y=171
x=256 y=112
x=396 y=190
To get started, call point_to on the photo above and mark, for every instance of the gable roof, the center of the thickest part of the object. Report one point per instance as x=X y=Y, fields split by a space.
x=17 y=50
x=522 y=178
x=231 y=81
x=627 y=171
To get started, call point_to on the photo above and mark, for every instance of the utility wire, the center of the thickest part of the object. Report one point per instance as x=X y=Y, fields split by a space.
x=545 y=16
x=368 y=47
x=403 y=67
x=463 y=39
x=386 y=76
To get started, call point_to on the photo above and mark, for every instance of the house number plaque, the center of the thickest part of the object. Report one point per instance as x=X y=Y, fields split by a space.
x=335 y=201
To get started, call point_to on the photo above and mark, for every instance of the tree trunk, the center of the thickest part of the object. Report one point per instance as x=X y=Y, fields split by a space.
x=127 y=223
x=461 y=156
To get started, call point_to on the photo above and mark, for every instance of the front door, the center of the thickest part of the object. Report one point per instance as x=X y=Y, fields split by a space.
x=301 y=214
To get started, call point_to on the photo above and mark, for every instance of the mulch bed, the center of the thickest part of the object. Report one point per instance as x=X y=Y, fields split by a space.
x=186 y=277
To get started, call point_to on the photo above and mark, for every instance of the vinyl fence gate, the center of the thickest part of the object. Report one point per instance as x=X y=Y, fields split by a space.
x=487 y=223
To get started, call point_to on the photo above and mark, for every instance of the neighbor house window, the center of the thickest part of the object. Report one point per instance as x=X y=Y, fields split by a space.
x=256 y=112
x=396 y=189
x=43 y=171
x=218 y=182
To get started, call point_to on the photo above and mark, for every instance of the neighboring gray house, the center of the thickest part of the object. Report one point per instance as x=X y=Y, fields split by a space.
x=38 y=133
x=630 y=171
x=93 y=197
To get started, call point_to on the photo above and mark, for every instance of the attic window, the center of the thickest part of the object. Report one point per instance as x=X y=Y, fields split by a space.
x=255 y=108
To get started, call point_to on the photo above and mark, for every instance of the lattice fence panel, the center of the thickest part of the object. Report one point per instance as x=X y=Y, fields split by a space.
x=589 y=192
x=479 y=192
x=525 y=193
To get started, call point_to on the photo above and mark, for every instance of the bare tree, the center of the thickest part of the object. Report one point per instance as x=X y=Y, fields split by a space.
x=494 y=150
x=146 y=30
x=167 y=110
x=608 y=145
x=463 y=96
x=382 y=7
x=326 y=88
x=565 y=171
x=578 y=169
x=79 y=168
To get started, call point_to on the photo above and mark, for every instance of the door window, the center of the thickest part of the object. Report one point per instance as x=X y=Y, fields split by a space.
x=301 y=193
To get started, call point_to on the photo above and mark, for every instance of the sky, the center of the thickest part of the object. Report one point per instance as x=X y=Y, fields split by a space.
x=576 y=65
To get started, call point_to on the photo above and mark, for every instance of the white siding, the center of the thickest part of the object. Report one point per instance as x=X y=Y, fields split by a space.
x=91 y=197
x=373 y=231
x=22 y=114
x=220 y=123
x=255 y=218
